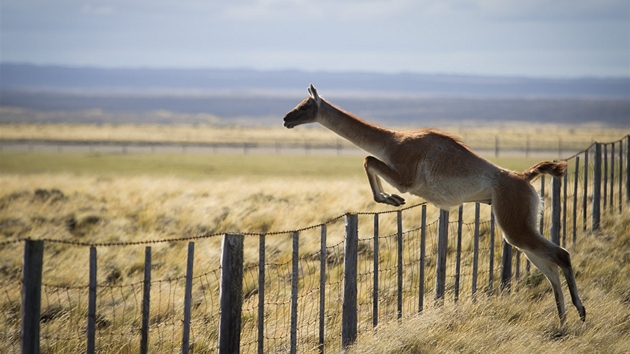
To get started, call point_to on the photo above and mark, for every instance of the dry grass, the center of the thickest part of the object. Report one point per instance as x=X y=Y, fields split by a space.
x=98 y=207
x=525 y=321
x=473 y=133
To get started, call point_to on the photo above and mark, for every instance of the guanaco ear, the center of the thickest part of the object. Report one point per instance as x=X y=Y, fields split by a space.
x=313 y=92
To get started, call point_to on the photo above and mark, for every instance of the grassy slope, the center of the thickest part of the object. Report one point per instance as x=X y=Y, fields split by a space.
x=525 y=321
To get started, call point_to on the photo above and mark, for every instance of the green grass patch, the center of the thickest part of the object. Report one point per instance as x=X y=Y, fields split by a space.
x=181 y=165
x=199 y=166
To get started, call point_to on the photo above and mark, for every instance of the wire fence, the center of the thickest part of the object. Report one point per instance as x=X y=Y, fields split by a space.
x=292 y=301
x=495 y=146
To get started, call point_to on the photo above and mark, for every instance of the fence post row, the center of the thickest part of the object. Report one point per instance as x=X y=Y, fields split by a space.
x=231 y=293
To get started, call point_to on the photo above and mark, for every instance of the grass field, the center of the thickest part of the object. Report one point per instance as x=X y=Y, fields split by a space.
x=135 y=197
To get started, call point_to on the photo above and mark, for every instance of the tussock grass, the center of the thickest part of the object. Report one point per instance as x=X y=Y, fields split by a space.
x=526 y=321
x=109 y=201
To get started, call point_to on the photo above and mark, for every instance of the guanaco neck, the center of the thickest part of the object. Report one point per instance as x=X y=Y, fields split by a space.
x=367 y=136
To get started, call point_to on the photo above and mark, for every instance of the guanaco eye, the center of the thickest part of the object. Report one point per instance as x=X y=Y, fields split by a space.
x=303 y=108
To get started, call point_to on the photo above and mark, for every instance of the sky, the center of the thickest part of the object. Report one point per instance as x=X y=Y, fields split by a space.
x=531 y=38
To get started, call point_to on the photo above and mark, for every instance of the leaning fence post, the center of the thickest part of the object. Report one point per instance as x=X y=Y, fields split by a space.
x=423 y=235
x=146 y=296
x=555 y=210
x=31 y=294
x=349 y=307
x=440 y=266
x=188 y=297
x=597 y=186
x=231 y=293
x=91 y=327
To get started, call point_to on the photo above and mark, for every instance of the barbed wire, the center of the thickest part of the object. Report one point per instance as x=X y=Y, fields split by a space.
x=202 y=236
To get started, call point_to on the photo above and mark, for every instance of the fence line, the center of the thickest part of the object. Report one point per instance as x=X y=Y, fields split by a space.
x=322 y=297
x=496 y=147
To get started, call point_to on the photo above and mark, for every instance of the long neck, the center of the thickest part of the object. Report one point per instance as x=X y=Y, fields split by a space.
x=369 y=137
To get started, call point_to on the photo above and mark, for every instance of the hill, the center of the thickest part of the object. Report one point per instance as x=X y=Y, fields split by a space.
x=264 y=97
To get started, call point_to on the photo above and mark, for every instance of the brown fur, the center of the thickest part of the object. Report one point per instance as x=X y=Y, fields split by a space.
x=441 y=169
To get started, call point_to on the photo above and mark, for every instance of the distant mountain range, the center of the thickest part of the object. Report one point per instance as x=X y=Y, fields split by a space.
x=264 y=96
x=101 y=80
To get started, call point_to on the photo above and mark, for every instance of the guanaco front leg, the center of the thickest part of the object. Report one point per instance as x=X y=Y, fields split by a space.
x=375 y=168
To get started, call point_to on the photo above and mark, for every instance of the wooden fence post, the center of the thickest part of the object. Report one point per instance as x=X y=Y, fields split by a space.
x=261 y=294
x=575 y=193
x=564 y=209
x=375 y=289
x=475 y=251
x=146 y=301
x=188 y=297
x=555 y=209
x=440 y=265
x=597 y=186
x=604 y=176
x=295 y=259
x=506 y=267
x=585 y=194
x=32 y=265
x=400 y=263
x=458 y=254
x=620 y=176
x=612 y=176
x=322 y=287
x=541 y=223
x=423 y=235
x=491 y=261
x=91 y=327
x=628 y=169
x=349 y=311
x=231 y=293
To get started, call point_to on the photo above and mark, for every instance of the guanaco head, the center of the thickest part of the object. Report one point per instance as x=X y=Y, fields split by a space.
x=305 y=112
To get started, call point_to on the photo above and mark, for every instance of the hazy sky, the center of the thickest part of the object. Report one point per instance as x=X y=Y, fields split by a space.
x=539 y=38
